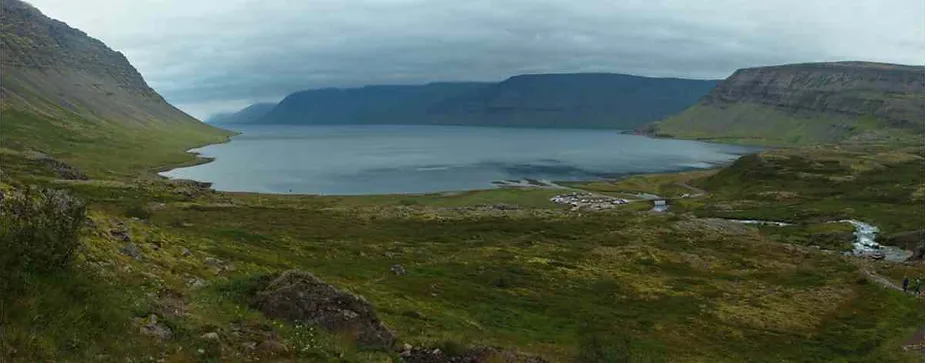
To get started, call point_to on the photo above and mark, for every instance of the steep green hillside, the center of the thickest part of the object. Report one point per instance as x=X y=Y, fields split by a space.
x=808 y=103
x=583 y=100
x=65 y=94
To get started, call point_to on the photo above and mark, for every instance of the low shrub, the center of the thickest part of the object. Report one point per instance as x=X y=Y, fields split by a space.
x=39 y=233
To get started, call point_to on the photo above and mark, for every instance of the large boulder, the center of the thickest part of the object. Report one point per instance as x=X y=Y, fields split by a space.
x=473 y=355
x=299 y=296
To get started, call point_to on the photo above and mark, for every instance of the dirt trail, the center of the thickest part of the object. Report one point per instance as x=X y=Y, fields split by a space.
x=882 y=281
x=916 y=342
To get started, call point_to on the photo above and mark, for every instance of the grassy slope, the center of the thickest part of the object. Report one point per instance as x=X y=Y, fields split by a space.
x=105 y=149
x=748 y=123
x=539 y=279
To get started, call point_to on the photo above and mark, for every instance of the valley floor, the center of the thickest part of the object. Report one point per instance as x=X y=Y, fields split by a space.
x=500 y=268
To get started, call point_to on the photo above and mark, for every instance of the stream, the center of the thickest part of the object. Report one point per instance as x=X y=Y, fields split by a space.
x=865 y=239
x=865 y=235
x=865 y=243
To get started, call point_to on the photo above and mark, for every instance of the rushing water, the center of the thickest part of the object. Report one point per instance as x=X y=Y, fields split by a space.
x=419 y=159
x=864 y=244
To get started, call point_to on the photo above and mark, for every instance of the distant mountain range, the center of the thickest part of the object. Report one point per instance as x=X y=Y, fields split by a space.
x=246 y=115
x=807 y=104
x=580 y=100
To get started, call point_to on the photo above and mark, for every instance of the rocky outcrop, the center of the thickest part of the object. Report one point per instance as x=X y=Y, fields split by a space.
x=299 y=296
x=59 y=168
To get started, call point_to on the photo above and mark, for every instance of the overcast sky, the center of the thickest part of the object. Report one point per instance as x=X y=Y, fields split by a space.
x=207 y=56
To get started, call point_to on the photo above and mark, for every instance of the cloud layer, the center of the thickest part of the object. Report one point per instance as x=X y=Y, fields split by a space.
x=217 y=55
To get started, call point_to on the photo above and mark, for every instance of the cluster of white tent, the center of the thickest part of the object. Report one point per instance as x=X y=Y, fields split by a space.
x=586 y=199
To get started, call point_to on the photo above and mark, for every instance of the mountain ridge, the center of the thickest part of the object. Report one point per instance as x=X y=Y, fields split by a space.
x=593 y=100
x=244 y=115
x=807 y=103
x=63 y=93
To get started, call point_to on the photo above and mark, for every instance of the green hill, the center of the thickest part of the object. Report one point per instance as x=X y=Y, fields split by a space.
x=809 y=103
x=65 y=94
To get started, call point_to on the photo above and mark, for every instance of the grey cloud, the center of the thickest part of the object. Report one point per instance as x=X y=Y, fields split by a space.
x=211 y=55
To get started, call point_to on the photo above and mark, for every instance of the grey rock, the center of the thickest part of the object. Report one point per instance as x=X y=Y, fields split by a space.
x=210 y=336
x=299 y=296
x=212 y=261
x=398 y=270
x=195 y=283
x=120 y=234
x=151 y=327
x=131 y=250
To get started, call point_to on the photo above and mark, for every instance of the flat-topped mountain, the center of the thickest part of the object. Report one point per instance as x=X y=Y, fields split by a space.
x=812 y=102
x=583 y=100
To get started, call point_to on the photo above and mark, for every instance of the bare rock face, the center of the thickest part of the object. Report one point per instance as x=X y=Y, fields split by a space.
x=299 y=296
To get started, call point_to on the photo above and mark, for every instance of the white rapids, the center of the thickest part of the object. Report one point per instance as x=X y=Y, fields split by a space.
x=865 y=239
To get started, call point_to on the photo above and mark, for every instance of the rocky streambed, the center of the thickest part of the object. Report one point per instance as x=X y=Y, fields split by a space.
x=864 y=244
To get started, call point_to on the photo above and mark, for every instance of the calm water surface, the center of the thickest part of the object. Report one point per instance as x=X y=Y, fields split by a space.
x=419 y=159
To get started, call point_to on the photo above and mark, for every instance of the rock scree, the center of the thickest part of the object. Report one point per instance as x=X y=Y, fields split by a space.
x=299 y=296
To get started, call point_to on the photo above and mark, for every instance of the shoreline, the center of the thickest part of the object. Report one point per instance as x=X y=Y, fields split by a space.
x=198 y=159
x=493 y=185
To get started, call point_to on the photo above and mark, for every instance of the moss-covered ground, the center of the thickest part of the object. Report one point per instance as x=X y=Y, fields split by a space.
x=622 y=284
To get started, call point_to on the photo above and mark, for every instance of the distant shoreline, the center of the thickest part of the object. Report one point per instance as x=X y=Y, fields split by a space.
x=489 y=184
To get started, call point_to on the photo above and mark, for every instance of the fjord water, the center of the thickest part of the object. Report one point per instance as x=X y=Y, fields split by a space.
x=421 y=159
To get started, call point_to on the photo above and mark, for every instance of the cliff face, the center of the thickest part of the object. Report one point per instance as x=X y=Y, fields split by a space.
x=588 y=100
x=827 y=101
x=592 y=100
x=52 y=68
x=893 y=93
